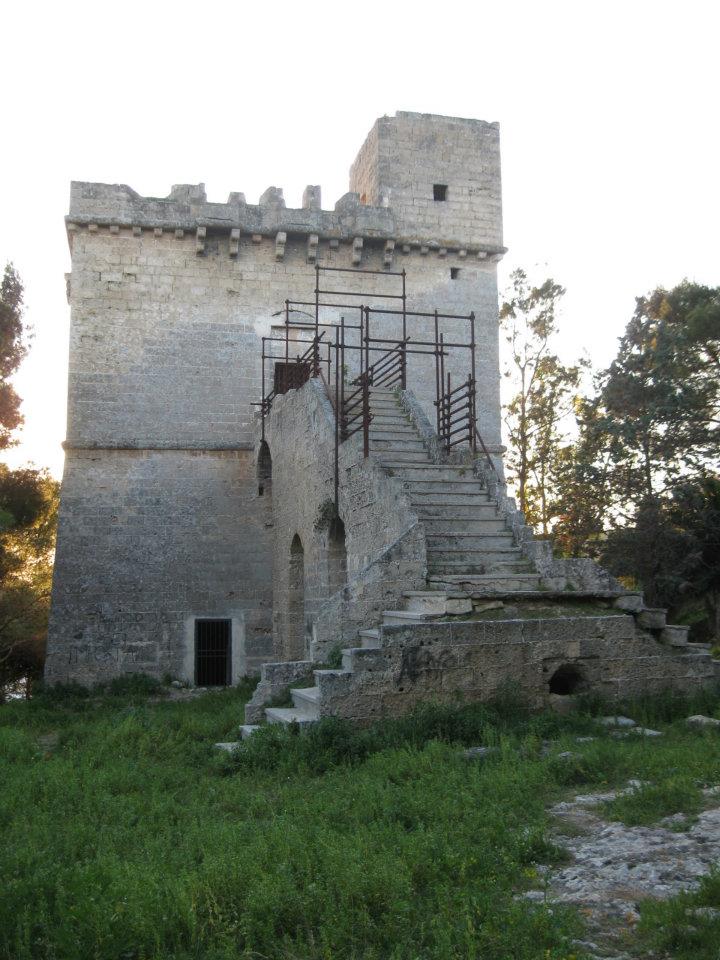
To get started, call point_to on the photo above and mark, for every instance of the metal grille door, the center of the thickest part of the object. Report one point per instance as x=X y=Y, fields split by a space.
x=212 y=653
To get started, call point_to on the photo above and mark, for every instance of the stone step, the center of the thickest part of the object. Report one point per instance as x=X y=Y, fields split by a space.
x=401 y=458
x=398 y=444
x=437 y=602
x=446 y=492
x=306 y=700
x=287 y=715
x=463 y=526
x=442 y=473
x=248 y=729
x=472 y=544
x=479 y=510
x=369 y=639
x=676 y=636
x=393 y=617
x=484 y=584
x=396 y=433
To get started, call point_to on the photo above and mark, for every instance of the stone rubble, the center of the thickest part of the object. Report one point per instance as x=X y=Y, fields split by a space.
x=614 y=867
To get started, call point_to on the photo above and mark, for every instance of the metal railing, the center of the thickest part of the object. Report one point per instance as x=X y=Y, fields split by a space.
x=456 y=407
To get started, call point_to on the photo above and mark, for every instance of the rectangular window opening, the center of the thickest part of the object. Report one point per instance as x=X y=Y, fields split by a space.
x=454 y=273
x=212 y=653
x=439 y=191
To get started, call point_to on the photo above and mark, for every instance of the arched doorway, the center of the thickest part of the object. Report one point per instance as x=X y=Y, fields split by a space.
x=337 y=556
x=295 y=645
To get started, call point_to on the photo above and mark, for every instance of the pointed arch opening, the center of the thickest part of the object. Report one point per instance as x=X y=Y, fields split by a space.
x=337 y=556
x=296 y=601
x=264 y=470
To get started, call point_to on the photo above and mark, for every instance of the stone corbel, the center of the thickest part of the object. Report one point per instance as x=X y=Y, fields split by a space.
x=200 y=236
x=92 y=228
x=137 y=231
x=424 y=250
x=312 y=247
x=280 y=241
x=179 y=234
x=357 y=248
x=442 y=252
x=257 y=238
x=114 y=229
x=481 y=254
x=234 y=242
x=462 y=254
x=157 y=231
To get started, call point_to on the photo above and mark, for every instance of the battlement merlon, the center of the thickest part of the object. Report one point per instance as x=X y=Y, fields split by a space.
x=419 y=179
x=187 y=209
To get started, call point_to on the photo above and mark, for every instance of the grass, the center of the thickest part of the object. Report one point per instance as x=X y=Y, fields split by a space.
x=651 y=802
x=130 y=838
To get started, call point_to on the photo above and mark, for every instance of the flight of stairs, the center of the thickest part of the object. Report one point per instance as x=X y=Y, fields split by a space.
x=471 y=553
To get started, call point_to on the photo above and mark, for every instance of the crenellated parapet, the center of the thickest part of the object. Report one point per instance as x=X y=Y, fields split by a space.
x=186 y=210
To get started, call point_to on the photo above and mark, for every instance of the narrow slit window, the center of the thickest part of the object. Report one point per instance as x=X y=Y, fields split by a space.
x=439 y=191
x=454 y=273
x=212 y=653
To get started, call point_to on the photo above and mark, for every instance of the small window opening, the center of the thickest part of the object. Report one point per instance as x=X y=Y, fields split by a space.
x=212 y=653
x=454 y=273
x=439 y=191
x=566 y=680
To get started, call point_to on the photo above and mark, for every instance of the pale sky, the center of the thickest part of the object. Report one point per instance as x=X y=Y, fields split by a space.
x=609 y=121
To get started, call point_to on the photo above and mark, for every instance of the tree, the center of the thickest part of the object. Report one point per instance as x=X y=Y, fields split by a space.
x=545 y=394
x=28 y=516
x=661 y=395
x=13 y=348
x=28 y=508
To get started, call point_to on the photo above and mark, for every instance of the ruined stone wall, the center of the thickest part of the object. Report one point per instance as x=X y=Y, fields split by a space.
x=375 y=513
x=447 y=662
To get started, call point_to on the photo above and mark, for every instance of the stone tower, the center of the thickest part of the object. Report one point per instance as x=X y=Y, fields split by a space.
x=163 y=524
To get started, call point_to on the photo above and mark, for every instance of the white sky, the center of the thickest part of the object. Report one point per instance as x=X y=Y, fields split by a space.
x=609 y=114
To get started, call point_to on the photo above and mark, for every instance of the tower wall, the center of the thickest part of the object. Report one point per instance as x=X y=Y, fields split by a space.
x=161 y=517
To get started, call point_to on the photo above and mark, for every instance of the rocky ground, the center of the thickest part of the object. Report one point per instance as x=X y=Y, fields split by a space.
x=614 y=867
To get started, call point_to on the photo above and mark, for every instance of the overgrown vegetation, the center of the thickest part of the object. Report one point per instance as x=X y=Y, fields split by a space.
x=637 y=485
x=28 y=515
x=126 y=836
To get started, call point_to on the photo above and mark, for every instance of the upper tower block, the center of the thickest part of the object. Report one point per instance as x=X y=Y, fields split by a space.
x=439 y=175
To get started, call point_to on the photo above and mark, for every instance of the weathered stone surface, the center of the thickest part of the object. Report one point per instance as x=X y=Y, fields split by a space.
x=700 y=721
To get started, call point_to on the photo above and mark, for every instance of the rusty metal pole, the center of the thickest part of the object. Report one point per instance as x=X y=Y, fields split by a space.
x=404 y=332
x=262 y=389
x=337 y=418
x=317 y=298
x=473 y=375
x=438 y=380
x=342 y=375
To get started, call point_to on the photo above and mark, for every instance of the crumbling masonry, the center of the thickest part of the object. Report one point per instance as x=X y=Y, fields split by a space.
x=284 y=441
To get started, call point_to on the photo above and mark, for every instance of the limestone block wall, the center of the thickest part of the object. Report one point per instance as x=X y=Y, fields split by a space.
x=447 y=662
x=147 y=542
x=169 y=299
x=379 y=524
x=404 y=157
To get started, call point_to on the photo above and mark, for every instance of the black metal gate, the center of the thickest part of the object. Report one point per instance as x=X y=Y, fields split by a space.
x=212 y=653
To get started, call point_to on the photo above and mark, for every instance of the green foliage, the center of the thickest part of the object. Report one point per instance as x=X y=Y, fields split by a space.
x=653 y=801
x=28 y=507
x=12 y=350
x=128 y=836
x=544 y=395
x=686 y=927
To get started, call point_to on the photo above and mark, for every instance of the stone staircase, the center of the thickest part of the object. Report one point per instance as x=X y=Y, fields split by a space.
x=473 y=560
